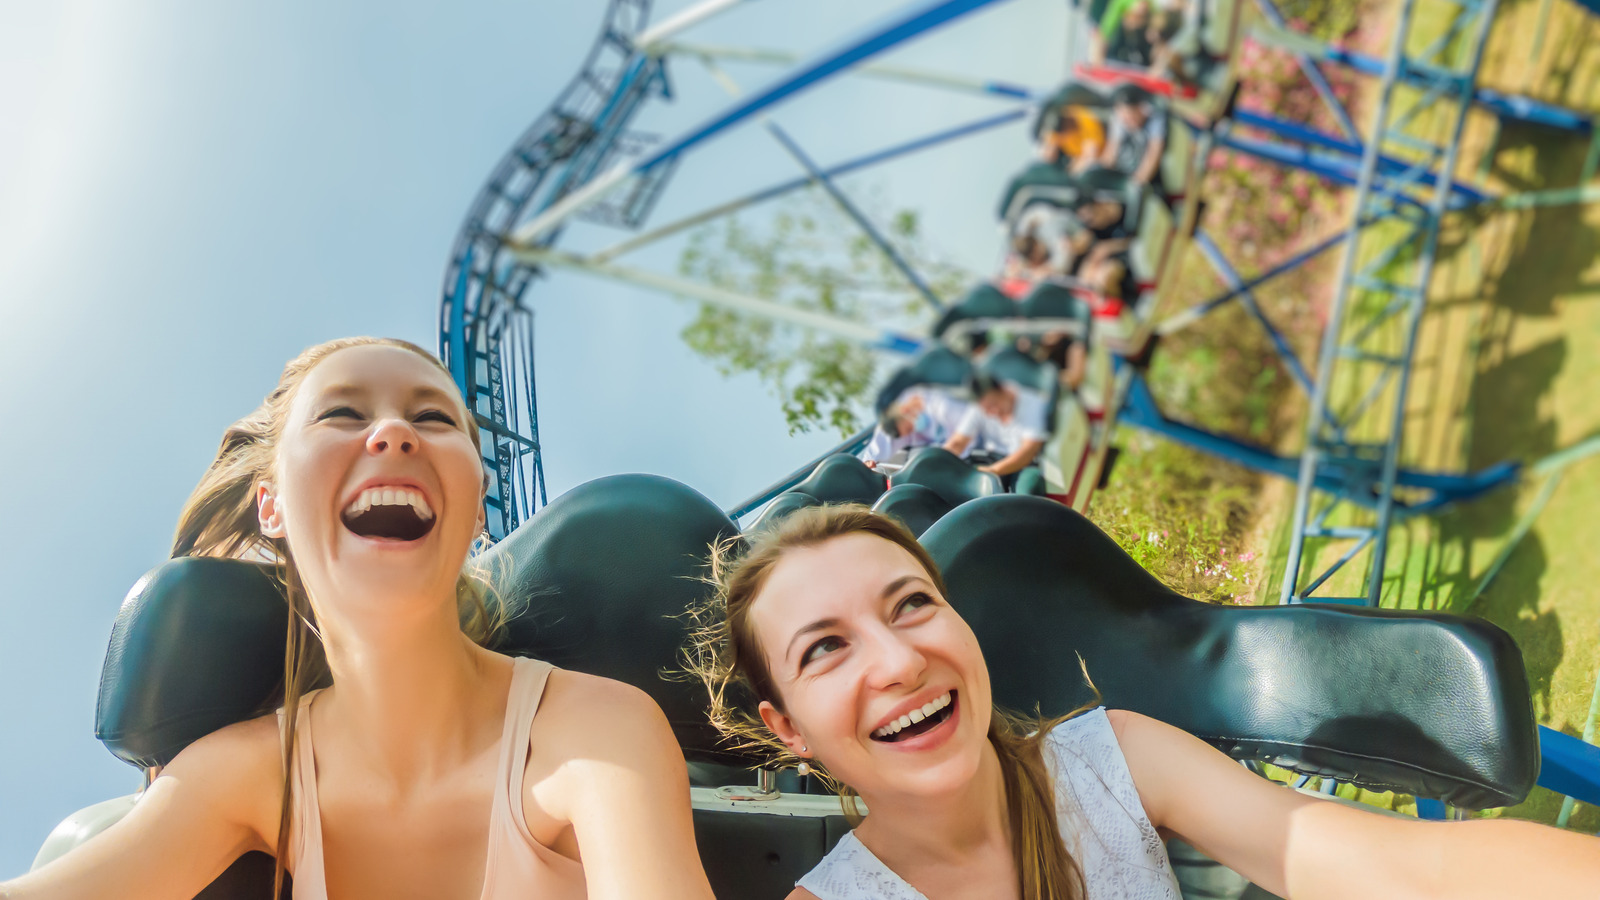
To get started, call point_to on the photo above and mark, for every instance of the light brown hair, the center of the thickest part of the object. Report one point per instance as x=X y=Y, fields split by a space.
x=220 y=520
x=728 y=658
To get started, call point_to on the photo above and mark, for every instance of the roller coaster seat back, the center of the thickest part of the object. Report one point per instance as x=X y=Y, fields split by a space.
x=1102 y=185
x=780 y=508
x=842 y=478
x=937 y=365
x=947 y=475
x=1040 y=182
x=916 y=506
x=984 y=301
x=1421 y=703
x=1012 y=365
x=198 y=644
x=1054 y=301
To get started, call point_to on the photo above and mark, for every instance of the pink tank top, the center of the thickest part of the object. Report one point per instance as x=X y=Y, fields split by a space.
x=518 y=866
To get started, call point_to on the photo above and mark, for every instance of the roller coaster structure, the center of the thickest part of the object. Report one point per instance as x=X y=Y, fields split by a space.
x=580 y=158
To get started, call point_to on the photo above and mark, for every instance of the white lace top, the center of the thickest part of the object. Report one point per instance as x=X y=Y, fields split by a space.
x=1101 y=819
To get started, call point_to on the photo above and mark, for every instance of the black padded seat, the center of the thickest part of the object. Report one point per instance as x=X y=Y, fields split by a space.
x=937 y=365
x=1054 y=301
x=951 y=477
x=1102 y=183
x=1040 y=182
x=779 y=509
x=1011 y=364
x=1042 y=377
x=598 y=577
x=602 y=576
x=916 y=506
x=1422 y=703
x=982 y=302
x=842 y=478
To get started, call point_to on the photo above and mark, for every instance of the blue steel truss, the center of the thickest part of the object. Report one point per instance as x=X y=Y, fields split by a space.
x=1364 y=366
x=485 y=331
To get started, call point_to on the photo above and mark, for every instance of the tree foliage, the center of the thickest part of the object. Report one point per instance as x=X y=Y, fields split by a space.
x=811 y=256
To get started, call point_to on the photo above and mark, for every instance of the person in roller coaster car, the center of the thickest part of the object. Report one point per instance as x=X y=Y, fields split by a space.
x=1074 y=138
x=832 y=643
x=1138 y=137
x=922 y=416
x=1101 y=247
x=360 y=476
x=1009 y=419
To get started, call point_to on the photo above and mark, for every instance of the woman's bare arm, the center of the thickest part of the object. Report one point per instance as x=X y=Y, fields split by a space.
x=204 y=811
x=1306 y=848
x=625 y=789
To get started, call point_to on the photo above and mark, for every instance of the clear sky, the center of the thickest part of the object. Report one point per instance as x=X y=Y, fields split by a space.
x=190 y=193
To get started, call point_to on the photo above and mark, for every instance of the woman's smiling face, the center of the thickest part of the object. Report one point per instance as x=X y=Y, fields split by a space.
x=878 y=678
x=376 y=485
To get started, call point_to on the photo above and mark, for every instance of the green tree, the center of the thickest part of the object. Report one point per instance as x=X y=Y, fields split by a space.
x=809 y=255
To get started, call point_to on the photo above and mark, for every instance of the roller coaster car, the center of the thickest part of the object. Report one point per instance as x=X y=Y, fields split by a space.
x=1423 y=703
x=937 y=365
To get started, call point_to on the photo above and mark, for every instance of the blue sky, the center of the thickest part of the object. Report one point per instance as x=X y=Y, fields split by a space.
x=191 y=193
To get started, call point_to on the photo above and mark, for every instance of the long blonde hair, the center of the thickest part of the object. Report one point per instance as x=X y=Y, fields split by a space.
x=220 y=519
x=726 y=655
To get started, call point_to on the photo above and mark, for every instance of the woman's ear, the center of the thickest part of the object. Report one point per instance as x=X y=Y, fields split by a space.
x=269 y=514
x=782 y=726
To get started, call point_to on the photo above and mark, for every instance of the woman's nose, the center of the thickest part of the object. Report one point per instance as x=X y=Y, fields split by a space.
x=392 y=435
x=896 y=661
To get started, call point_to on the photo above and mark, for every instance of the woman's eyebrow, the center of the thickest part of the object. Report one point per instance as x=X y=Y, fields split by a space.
x=814 y=627
x=894 y=586
x=431 y=393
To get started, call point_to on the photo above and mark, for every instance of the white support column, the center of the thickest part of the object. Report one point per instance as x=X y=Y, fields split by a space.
x=650 y=41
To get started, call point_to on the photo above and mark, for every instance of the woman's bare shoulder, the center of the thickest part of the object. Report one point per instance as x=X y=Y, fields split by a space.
x=239 y=768
x=602 y=710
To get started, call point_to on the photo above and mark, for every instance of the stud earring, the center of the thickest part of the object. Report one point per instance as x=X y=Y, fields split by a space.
x=805 y=767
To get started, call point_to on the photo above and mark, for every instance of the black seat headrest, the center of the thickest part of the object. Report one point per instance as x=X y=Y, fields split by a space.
x=916 y=506
x=780 y=508
x=1423 y=703
x=1040 y=182
x=936 y=365
x=947 y=475
x=842 y=478
x=1010 y=364
x=982 y=302
x=1053 y=301
x=600 y=577
x=198 y=644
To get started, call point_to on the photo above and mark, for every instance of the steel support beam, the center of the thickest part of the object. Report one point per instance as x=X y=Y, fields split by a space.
x=905 y=74
x=1380 y=297
x=861 y=333
x=840 y=198
x=778 y=190
x=914 y=20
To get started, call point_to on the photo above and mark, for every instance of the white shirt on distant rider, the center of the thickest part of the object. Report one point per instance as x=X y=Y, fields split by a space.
x=1026 y=422
x=940 y=417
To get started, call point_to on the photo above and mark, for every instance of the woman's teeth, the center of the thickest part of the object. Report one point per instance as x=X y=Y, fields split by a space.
x=390 y=496
x=916 y=715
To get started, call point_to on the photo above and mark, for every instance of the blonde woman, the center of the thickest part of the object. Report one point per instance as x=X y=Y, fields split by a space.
x=432 y=767
x=836 y=621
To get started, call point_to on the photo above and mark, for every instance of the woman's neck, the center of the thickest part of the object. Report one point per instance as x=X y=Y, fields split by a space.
x=968 y=823
x=414 y=698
